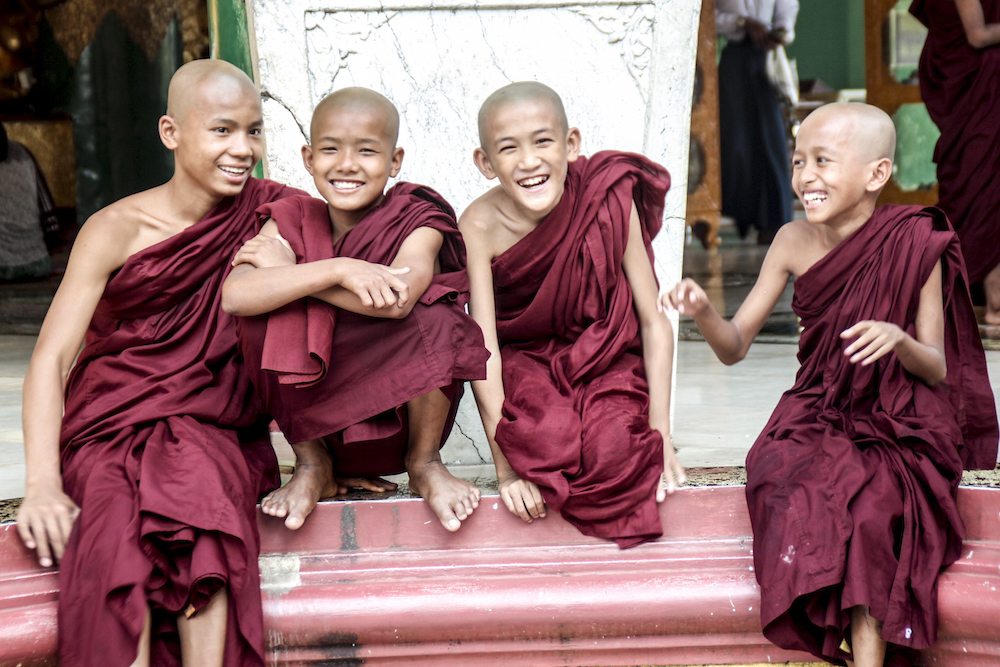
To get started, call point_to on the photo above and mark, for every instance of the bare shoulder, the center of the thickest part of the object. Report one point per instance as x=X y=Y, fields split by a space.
x=482 y=216
x=797 y=246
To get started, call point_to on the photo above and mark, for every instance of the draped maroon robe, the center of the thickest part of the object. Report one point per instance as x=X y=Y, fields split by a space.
x=961 y=87
x=576 y=414
x=851 y=486
x=163 y=451
x=321 y=370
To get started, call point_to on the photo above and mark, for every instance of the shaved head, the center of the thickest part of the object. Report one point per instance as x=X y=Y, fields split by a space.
x=869 y=130
x=358 y=98
x=519 y=92
x=205 y=77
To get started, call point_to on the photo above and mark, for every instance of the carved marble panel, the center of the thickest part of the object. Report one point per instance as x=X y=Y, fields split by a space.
x=624 y=71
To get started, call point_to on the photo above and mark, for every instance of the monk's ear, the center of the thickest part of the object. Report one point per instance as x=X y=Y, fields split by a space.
x=482 y=161
x=169 y=128
x=881 y=172
x=397 y=162
x=307 y=158
x=573 y=142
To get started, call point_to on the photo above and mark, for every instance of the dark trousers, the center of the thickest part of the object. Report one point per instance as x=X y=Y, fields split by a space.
x=756 y=176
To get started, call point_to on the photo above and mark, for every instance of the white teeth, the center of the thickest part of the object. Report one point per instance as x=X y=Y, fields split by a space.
x=532 y=182
x=346 y=185
x=238 y=171
x=813 y=197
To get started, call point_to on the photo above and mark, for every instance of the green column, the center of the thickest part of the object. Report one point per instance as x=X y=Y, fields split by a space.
x=229 y=39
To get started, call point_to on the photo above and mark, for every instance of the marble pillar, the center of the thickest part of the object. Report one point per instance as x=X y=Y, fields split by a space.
x=624 y=70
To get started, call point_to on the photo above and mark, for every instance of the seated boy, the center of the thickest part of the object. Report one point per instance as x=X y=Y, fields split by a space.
x=361 y=342
x=851 y=486
x=145 y=481
x=577 y=391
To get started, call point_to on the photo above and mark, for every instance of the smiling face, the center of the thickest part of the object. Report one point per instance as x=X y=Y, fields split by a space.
x=839 y=166
x=215 y=132
x=527 y=146
x=352 y=157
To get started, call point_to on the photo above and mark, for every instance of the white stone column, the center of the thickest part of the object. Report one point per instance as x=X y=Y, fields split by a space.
x=625 y=72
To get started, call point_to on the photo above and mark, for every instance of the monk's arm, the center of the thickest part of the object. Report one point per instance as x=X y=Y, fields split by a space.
x=922 y=356
x=418 y=254
x=978 y=32
x=731 y=339
x=657 y=346
x=46 y=516
x=266 y=278
x=520 y=496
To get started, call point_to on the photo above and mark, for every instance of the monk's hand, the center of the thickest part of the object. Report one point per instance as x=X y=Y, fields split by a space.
x=44 y=522
x=263 y=252
x=376 y=285
x=873 y=340
x=687 y=298
x=673 y=472
x=521 y=497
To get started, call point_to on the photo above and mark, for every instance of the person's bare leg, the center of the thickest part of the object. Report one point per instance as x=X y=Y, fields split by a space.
x=312 y=480
x=991 y=285
x=142 y=655
x=203 y=635
x=451 y=499
x=867 y=644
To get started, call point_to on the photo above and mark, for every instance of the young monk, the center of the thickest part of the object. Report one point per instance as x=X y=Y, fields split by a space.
x=577 y=392
x=145 y=489
x=360 y=343
x=851 y=486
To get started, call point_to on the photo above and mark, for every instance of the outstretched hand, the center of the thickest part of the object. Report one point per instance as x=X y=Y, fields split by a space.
x=377 y=286
x=687 y=298
x=44 y=522
x=264 y=252
x=673 y=472
x=873 y=341
x=522 y=497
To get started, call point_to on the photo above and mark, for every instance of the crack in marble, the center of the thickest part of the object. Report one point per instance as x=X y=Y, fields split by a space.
x=474 y=446
x=493 y=53
x=267 y=95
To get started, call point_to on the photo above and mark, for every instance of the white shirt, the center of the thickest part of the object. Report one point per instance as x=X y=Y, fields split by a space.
x=772 y=13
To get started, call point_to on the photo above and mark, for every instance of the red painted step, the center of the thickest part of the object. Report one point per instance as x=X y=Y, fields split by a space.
x=381 y=583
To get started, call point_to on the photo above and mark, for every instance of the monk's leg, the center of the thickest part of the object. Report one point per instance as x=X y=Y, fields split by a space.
x=203 y=635
x=991 y=285
x=866 y=639
x=451 y=499
x=142 y=655
x=313 y=479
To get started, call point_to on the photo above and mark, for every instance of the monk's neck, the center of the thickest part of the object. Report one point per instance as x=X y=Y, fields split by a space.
x=835 y=231
x=183 y=205
x=344 y=221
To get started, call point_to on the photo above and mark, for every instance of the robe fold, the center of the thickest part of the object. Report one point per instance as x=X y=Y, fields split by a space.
x=959 y=85
x=323 y=371
x=851 y=486
x=163 y=450
x=575 y=417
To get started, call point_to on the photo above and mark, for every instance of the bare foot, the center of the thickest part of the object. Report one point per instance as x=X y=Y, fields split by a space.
x=991 y=285
x=313 y=479
x=451 y=499
x=373 y=484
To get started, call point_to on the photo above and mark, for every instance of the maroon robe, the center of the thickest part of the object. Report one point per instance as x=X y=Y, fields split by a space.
x=961 y=87
x=164 y=452
x=576 y=415
x=851 y=486
x=323 y=371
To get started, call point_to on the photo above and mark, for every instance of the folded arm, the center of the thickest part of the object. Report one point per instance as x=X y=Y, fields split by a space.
x=266 y=277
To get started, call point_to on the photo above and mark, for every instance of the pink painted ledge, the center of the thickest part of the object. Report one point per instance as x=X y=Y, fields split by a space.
x=380 y=582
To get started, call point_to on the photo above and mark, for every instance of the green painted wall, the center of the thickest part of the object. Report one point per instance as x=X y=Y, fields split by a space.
x=229 y=40
x=830 y=42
